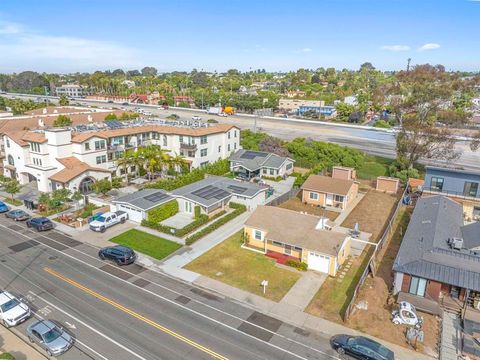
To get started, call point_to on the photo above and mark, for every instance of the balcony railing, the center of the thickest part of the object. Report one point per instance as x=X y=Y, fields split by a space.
x=451 y=193
x=188 y=147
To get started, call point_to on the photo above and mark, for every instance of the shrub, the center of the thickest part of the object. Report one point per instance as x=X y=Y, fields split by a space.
x=87 y=210
x=277 y=178
x=382 y=124
x=116 y=182
x=111 y=116
x=297 y=264
x=239 y=209
x=62 y=121
x=7 y=356
x=197 y=212
x=163 y=212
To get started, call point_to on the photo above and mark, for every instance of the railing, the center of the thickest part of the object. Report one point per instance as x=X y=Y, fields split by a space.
x=452 y=193
x=381 y=242
x=190 y=147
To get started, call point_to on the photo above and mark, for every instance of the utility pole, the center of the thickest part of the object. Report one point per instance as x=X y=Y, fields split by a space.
x=408 y=64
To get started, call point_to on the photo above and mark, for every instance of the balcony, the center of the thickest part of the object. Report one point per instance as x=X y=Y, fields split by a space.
x=451 y=193
x=188 y=147
x=116 y=147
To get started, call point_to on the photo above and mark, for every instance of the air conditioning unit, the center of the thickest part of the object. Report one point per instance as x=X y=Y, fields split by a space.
x=456 y=243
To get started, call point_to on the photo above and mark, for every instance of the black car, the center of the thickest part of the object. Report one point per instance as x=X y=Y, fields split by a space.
x=40 y=223
x=122 y=255
x=360 y=347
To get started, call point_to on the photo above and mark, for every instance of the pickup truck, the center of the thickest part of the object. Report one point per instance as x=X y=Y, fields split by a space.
x=107 y=220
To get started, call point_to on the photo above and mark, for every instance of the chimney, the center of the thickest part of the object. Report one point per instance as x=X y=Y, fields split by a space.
x=41 y=123
x=44 y=111
x=322 y=224
x=89 y=118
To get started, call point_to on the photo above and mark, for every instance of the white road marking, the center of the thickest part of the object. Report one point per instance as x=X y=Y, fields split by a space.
x=71 y=326
x=182 y=306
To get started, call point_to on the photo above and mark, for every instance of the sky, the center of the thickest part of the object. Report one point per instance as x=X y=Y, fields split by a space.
x=217 y=35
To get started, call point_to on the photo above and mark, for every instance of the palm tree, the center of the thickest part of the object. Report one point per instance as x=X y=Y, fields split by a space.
x=125 y=161
x=178 y=163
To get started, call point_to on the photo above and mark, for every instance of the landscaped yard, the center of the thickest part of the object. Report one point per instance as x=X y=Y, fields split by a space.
x=147 y=244
x=13 y=201
x=245 y=269
x=373 y=166
x=296 y=204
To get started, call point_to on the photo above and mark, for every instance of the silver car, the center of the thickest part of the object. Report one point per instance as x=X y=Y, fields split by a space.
x=54 y=339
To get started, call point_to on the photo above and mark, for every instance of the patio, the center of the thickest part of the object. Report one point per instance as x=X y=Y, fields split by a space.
x=178 y=221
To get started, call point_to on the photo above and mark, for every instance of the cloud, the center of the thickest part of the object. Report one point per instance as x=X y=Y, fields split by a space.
x=30 y=49
x=396 y=48
x=429 y=46
x=306 y=50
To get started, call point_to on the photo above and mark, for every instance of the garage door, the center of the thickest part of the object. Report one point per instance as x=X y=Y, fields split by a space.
x=318 y=262
x=133 y=214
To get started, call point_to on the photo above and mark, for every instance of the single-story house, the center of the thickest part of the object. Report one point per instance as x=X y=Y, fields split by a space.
x=137 y=204
x=319 y=190
x=300 y=236
x=212 y=194
x=439 y=259
x=250 y=164
x=215 y=192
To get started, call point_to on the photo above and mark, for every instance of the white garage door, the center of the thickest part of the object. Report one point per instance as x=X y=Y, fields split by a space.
x=133 y=214
x=318 y=262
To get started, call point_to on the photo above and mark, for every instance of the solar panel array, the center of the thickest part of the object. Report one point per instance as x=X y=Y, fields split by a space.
x=113 y=124
x=156 y=197
x=210 y=192
x=237 y=189
x=252 y=155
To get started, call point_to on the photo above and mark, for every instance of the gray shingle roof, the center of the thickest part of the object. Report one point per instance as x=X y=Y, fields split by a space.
x=145 y=199
x=471 y=235
x=255 y=160
x=222 y=186
x=424 y=251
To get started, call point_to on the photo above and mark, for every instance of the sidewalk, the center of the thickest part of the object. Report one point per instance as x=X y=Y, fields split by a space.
x=10 y=343
x=293 y=316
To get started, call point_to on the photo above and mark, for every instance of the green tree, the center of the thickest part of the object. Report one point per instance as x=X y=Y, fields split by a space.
x=111 y=116
x=12 y=187
x=63 y=100
x=62 y=121
x=344 y=111
x=102 y=186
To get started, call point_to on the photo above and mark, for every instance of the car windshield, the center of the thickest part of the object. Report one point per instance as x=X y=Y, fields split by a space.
x=9 y=305
x=101 y=218
x=52 y=335
x=44 y=221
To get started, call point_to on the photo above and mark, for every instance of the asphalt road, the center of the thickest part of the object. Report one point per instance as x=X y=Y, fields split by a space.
x=135 y=313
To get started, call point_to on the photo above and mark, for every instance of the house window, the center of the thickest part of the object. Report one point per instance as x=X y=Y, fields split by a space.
x=203 y=152
x=219 y=148
x=313 y=196
x=265 y=171
x=289 y=166
x=436 y=183
x=8 y=143
x=99 y=144
x=235 y=146
x=228 y=134
x=417 y=286
x=203 y=139
x=258 y=235
x=298 y=248
x=228 y=148
x=271 y=172
x=164 y=140
x=470 y=189
x=35 y=147
x=338 y=198
x=10 y=160
x=101 y=159
x=87 y=146
x=203 y=164
x=276 y=243
x=180 y=139
x=132 y=169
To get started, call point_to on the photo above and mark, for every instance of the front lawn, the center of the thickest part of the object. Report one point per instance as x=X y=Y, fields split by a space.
x=146 y=243
x=13 y=201
x=373 y=167
x=245 y=269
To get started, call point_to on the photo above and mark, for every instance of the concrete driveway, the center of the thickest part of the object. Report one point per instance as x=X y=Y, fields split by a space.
x=300 y=295
x=101 y=239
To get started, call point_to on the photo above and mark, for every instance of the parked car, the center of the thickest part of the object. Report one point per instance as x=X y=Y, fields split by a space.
x=17 y=215
x=54 y=339
x=107 y=220
x=3 y=207
x=12 y=310
x=125 y=103
x=40 y=223
x=110 y=101
x=360 y=347
x=196 y=118
x=122 y=255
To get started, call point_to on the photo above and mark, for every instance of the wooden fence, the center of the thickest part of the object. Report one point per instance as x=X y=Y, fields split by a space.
x=284 y=197
x=371 y=262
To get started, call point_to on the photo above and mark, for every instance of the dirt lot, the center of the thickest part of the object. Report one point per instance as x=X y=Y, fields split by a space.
x=376 y=319
x=297 y=205
x=372 y=213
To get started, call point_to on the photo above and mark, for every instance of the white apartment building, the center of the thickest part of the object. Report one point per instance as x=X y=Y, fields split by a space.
x=71 y=90
x=295 y=104
x=57 y=158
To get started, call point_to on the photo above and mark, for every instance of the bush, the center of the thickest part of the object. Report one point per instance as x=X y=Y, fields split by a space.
x=382 y=124
x=163 y=212
x=7 y=356
x=116 y=182
x=220 y=167
x=297 y=264
x=87 y=210
x=197 y=211
x=62 y=121
x=396 y=170
x=277 y=178
x=111 y=116
x=239 y=209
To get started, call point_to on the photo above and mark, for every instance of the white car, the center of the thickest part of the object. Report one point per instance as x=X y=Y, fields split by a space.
x=12 y=310
x=196 y=118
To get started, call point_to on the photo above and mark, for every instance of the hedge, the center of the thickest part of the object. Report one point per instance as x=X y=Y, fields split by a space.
x=163 y=212
x=297 y=264
x=239 y=209
x=7 y=356
x=220 y=167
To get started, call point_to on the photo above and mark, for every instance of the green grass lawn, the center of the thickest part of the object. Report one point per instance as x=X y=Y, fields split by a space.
x=374 y=166
x=147 y=244
x=14 y=201
x=245 y=269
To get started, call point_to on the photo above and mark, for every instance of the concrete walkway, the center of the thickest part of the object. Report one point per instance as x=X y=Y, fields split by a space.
x=21 y=350
x=294 y=316
x=302 y=292
x=344 y=214
x=450 y=336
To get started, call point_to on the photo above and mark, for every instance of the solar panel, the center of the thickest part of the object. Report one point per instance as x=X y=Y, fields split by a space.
x=252 y=155
x=210 y=191
x=237 y=189
x=156 y=197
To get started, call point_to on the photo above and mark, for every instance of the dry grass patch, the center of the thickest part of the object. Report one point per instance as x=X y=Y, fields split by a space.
x=296 y=204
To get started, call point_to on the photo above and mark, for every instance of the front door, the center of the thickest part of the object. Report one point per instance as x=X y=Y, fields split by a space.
x=288 y=249
x=329 y=200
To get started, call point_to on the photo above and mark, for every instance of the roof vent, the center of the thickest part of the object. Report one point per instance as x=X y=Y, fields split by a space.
x=426 y=221
x=323 y=224
x=455 y=243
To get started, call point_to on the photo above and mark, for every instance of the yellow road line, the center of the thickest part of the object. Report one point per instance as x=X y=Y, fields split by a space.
x=134 y=314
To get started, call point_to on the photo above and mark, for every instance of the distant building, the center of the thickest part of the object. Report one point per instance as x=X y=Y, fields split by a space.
x=71 y=90
x=295 y=93
x=327 y=111
x=128 y=83
x=294 y=104
x=351 y=100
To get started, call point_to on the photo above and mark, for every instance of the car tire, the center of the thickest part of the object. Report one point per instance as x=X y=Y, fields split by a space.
x=29 y=225
x=340 y=351
x=49 y=354
x=101 y=256
x=30 y=339
x=122 y=220
x=119 y=263
x=4 y=323
x=102 y=229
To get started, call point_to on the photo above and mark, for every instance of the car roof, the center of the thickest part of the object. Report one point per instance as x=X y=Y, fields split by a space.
x=43 y=326
x=374 y=345
x=5 y=296
x=41 y=218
